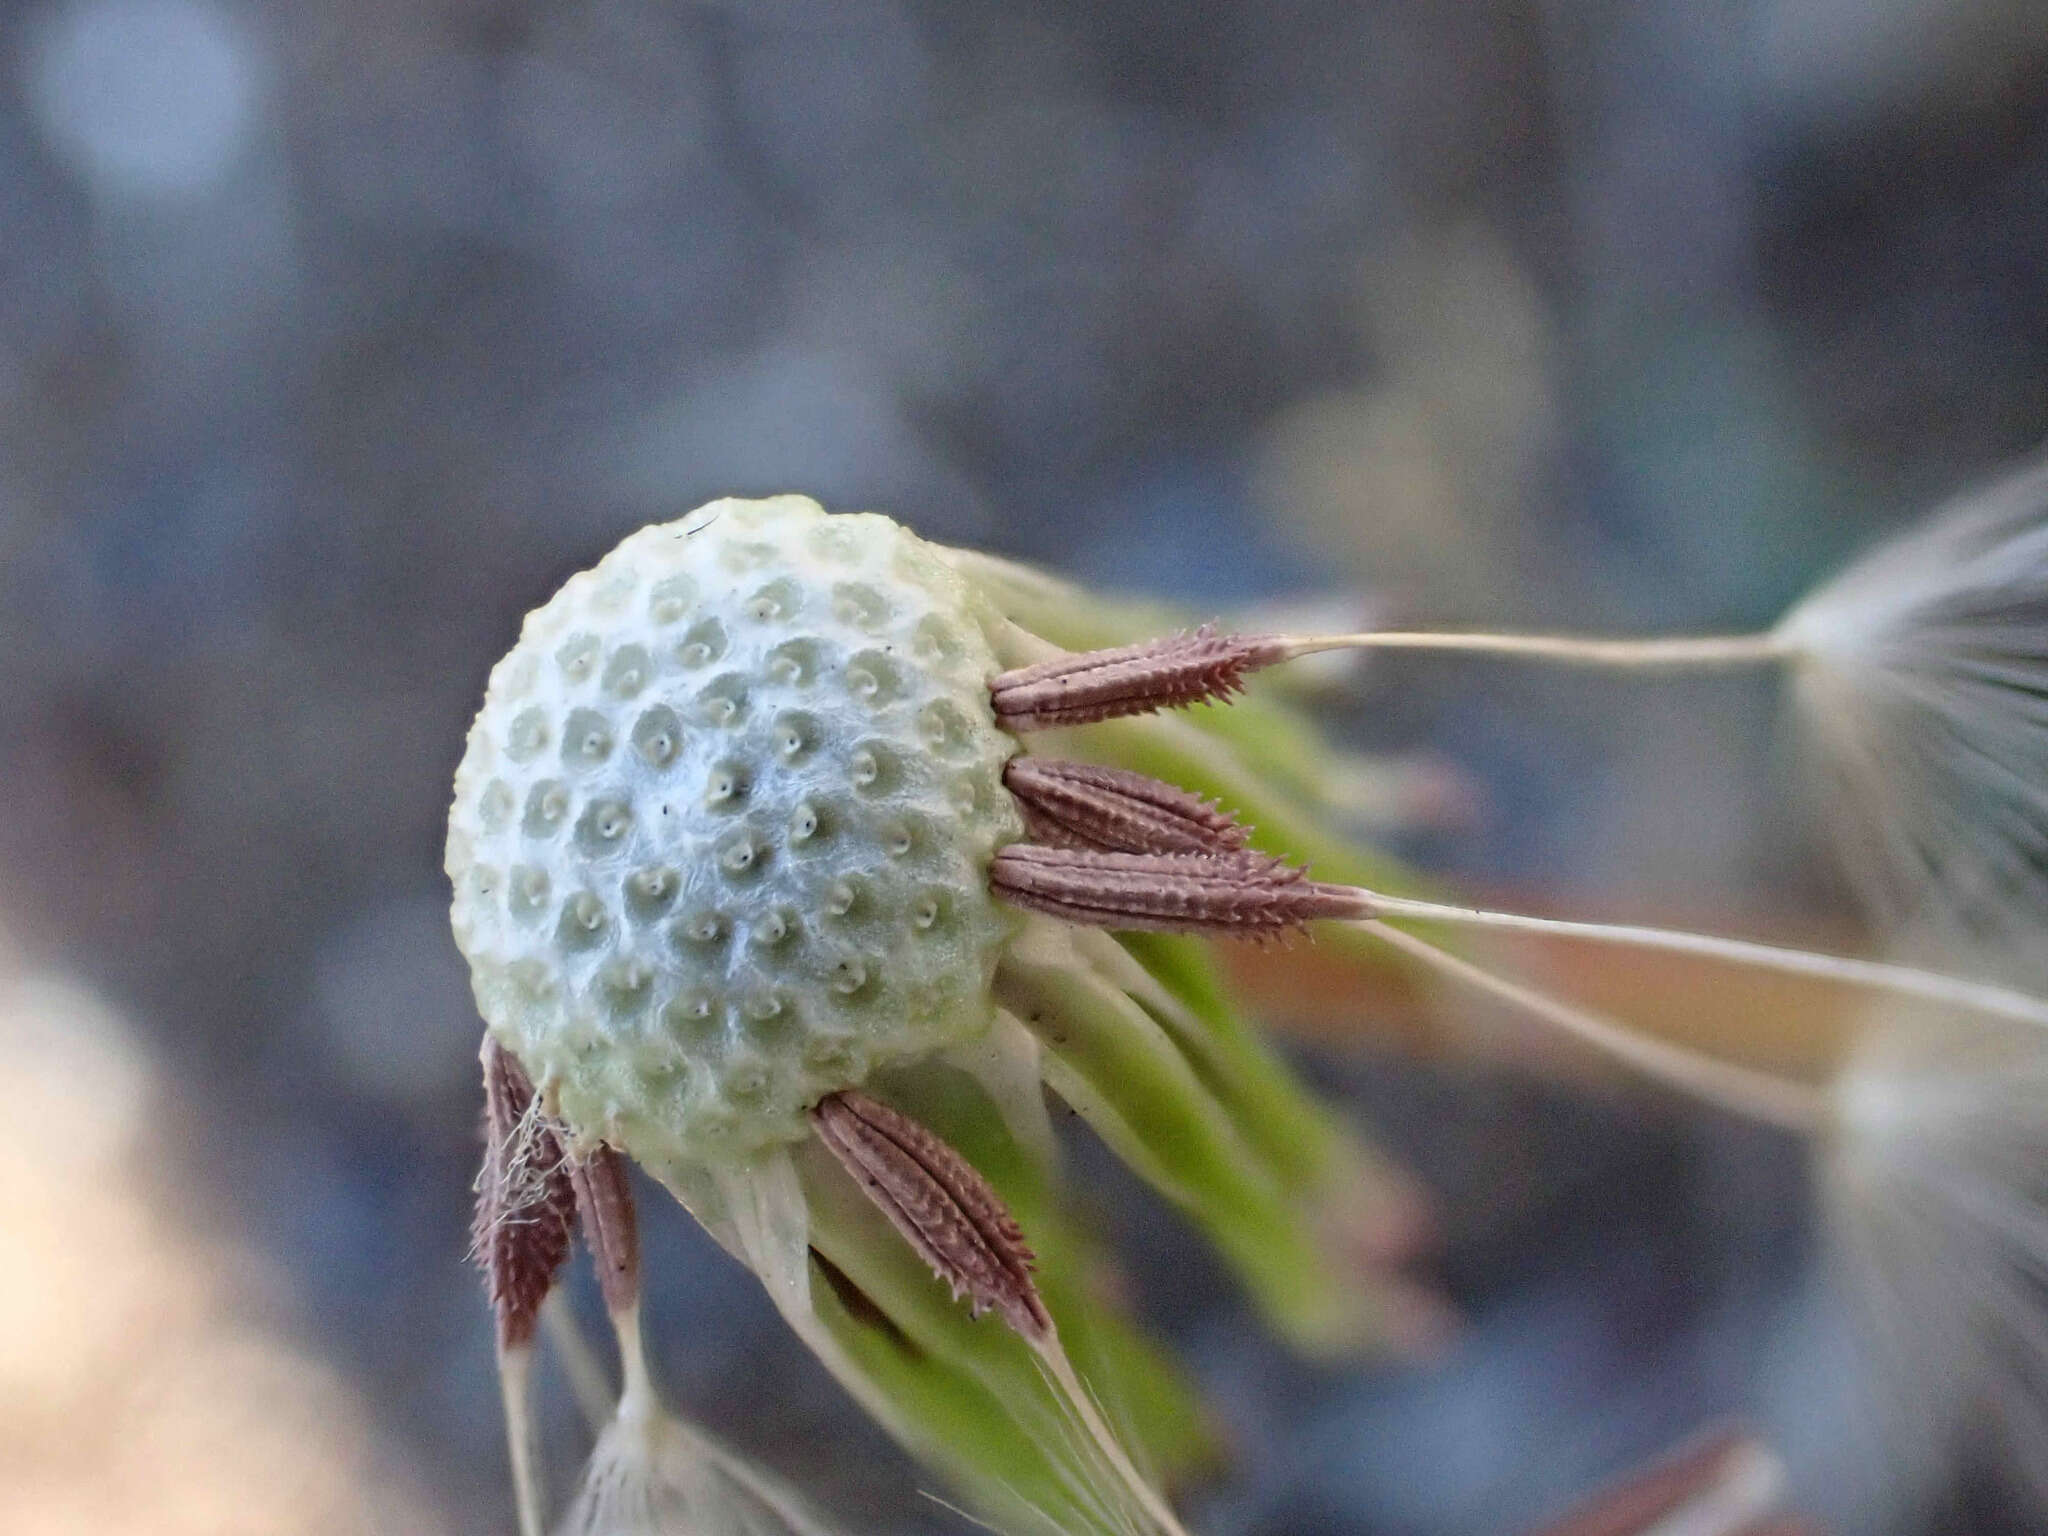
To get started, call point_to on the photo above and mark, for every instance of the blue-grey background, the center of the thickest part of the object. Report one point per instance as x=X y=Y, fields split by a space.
x=332 y=337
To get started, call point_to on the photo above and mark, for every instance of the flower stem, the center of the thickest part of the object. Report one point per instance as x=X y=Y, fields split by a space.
x=1874 y=975
x=1678 y=653
x=1755 y=1095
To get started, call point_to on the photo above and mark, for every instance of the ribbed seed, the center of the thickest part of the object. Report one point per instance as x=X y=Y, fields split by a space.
x=1088 y=686
x=1239 y=894
x=611 y=1230
x=945 y=1209
x=1081 y=805
x=525 y=1201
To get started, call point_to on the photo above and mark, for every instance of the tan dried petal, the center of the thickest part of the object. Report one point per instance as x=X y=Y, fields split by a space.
x=525 y=1201
x=1083 y=805
x=945 y=1209
x=1088 y=686
x=1239 y=894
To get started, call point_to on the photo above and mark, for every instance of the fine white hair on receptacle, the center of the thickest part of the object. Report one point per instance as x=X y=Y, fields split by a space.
x=1921 y=693
x=524 y=1175
x=1933 y=1178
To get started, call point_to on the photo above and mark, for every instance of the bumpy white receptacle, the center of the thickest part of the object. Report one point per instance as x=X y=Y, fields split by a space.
x=721 y=836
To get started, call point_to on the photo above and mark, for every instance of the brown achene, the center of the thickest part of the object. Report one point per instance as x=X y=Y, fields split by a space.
x=1171 y=673
x=1084 y=805
x=943 y=1207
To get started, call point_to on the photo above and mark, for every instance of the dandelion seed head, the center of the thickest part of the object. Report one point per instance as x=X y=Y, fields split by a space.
x=1921 y=691
x=729 y=840
x=725 y=724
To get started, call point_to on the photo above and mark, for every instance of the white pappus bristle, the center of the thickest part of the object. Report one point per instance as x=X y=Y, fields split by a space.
x=1922 y=692
x=652 y=1475
x=1934 y=1182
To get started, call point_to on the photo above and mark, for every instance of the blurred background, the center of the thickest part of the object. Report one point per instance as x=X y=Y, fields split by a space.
x=332 y=337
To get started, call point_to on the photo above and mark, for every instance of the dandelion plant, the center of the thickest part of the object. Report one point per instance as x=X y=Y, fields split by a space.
x=796 y=859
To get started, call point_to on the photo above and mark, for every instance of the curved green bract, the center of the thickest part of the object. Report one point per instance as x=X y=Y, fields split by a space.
x=1111 y=1060
x=1293 y=1134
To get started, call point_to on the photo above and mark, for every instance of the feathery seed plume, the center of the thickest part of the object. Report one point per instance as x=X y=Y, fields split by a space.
x=1934 y=1181
x=1921 y=686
